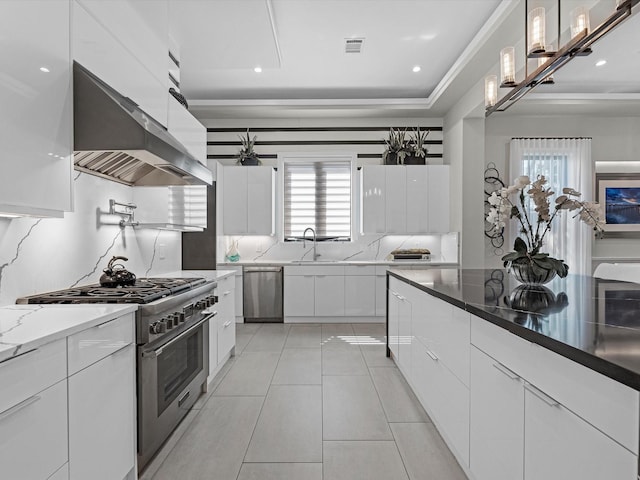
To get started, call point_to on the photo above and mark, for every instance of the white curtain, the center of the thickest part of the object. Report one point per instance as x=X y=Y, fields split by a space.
x=565 y=162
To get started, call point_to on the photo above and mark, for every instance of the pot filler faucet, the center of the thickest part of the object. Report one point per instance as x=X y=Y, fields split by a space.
x=304 y=242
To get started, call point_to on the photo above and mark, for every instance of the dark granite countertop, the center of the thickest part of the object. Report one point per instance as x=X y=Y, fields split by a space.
x=591 y=321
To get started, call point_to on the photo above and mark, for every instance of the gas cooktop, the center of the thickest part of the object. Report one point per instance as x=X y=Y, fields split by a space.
x=145 y=290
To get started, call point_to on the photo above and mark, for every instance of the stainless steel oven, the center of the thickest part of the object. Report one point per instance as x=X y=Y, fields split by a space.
x=171 y=376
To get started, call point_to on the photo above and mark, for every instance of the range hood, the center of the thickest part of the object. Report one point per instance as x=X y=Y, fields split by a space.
x=115 y=139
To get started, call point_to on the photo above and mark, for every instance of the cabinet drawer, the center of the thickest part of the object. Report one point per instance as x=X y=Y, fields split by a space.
x=91 y=345
x=512 y=351
x=606 y=404
x=32 y=372
x=226 y=336
x=444 y=397
x=225 y=285
x=33 y=435
x=360 y=270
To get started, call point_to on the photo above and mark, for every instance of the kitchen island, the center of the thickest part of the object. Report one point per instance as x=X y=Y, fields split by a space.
x=523 y=382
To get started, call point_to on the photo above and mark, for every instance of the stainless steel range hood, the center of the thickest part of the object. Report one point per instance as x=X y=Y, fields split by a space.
x=115 y=139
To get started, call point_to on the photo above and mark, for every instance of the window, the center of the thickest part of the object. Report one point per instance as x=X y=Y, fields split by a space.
x=317 y=194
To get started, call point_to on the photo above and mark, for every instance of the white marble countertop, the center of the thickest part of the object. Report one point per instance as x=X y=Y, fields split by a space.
x=397 y=263
x=25 y=327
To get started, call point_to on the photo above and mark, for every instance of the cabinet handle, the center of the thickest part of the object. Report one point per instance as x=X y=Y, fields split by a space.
x=16 y=408
x=501 y=368
x=227 y=323
x=401 y=298
x=433 y=356
x=22 y=355
x=226 y=293
x=541 y=395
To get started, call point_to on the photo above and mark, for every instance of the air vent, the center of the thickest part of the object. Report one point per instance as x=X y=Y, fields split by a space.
x=353 y=45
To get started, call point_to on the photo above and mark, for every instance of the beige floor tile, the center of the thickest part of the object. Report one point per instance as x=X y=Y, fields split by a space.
x=351 y=410
x=376 y=356
x=248 y=328
x=281 y=471
x=424 y=453
x=242 y=340
x=270 y=338
x=398 y=400
x=338 y=361
x=298 y=366
x=363 y=461
x=338 y=335
x=290 y=426
x=304 y=336
x=250 y=374
x=214 y=443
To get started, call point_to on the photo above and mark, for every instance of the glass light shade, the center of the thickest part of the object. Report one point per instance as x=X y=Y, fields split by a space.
x=507 y=67
x=579 y=20
x=490 y=91
x=536 y=27
x=541 y=61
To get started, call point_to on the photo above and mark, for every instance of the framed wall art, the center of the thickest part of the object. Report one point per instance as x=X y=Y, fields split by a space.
x=620 y=199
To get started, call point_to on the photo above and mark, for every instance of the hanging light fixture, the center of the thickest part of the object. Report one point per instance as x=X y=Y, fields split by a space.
x=507 y=67
x=548 y=60
x=579 y=21
x=537 y=24
x=490 y=91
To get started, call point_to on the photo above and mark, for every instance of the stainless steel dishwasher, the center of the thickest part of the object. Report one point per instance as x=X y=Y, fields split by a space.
x=262 y=294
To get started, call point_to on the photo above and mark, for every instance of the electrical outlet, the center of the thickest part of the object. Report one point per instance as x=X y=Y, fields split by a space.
x=162 y=251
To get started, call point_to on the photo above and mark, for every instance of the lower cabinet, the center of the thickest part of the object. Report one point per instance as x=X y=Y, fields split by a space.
x=33 y=435
x=497 y=420
x=560 y=445
x=299 y=295
x=329 y=296
x=222 y=327
x=102 y=418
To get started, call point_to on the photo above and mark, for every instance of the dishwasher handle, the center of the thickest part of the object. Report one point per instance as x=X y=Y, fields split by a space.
x=262 y=269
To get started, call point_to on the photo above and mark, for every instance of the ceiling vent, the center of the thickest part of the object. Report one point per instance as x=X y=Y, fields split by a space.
x=353 y=45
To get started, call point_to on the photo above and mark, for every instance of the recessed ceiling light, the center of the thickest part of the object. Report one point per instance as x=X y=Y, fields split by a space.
x=600 y=63
x=416 y=69
x=258 y=69
x=44 y=69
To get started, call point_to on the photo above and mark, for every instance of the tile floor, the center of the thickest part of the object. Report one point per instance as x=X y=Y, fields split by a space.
x=307 y=402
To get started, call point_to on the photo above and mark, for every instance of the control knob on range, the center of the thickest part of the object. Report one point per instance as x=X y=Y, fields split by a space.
x=168 y=321
x=180 y=317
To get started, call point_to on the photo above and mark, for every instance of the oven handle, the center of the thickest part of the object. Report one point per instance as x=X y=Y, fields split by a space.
x=157 y=352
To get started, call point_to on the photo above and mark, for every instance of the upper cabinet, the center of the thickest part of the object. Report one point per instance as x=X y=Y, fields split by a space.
x=187 y=130
x=412 y=199
x=247 y=200
x=36 y=113
x=126 y=45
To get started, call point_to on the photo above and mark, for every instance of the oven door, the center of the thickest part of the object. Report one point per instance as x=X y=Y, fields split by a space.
x=170 y=379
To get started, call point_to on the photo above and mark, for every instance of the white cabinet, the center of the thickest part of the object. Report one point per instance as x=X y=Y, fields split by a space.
x=33 y=413
x=36 y=115
x=360 y=295
x=412 y=199
x=102 y=418
x=560 y=445
x=226 y=321
x=329 y=295
x=247 y=200
x=497 y=420
x=114 y=43
x=299 y=295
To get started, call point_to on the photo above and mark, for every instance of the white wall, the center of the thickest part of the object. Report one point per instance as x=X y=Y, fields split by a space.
x=40 y=255
x=614 y=138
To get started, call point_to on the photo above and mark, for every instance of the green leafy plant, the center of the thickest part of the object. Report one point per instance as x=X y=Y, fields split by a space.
x=418 y=142
x=534 y=230
x=397 y=144
x=247 y=152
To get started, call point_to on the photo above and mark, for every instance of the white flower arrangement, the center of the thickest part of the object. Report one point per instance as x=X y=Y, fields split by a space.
x=533 y=231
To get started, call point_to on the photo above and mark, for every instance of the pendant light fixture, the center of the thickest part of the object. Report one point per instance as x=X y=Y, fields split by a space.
x=507 y=67
x=548 y=60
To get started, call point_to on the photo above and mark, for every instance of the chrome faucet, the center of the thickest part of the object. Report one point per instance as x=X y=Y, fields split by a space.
x=304 y=242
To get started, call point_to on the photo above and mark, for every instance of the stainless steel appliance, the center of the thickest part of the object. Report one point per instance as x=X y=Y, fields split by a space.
x=172 y=336
x=262 y=294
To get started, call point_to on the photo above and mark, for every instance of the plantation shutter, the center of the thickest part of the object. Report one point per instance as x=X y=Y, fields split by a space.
x=317 y=195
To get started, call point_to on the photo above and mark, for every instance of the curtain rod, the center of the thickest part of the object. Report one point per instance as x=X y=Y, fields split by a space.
x=551 y=138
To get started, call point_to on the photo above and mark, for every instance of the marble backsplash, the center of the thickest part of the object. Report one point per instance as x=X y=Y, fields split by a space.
x=444 y=248
x=44 y=254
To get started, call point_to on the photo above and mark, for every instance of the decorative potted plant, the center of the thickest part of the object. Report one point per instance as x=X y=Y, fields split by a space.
x=417 y=148
x=247 y=156
x=527 y=263
x=397 y=147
